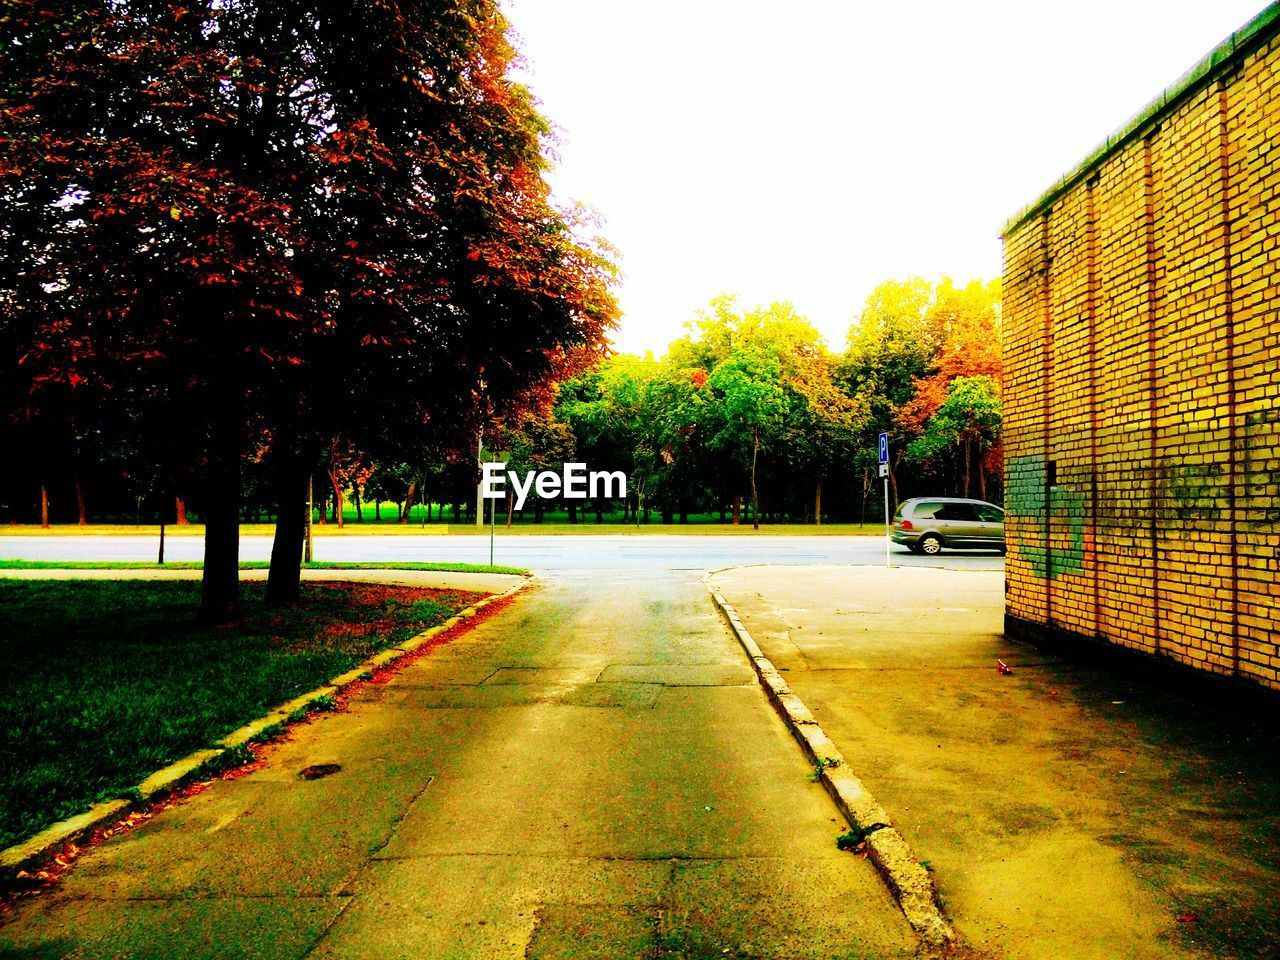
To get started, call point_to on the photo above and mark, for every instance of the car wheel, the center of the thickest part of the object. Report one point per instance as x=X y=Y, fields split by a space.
x=930 y=544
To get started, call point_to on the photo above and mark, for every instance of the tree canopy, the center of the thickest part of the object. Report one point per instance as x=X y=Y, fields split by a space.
x=271 y=226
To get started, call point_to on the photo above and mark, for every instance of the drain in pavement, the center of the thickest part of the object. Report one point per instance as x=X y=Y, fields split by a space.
x=318 y=770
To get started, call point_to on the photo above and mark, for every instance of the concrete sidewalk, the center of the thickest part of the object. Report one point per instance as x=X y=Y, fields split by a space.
x=592 y=773
x=1064 y=813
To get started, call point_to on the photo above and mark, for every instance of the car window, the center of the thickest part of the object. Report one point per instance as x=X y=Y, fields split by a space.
x=956 y=511
x=990 y=514
x=926 y=510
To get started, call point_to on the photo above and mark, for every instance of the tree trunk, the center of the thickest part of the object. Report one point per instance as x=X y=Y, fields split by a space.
x=377 y=510
x=511 y=507
x=80 y=507
x=160 y=558
x=893 y=486
x=408 y=501
x=599 y=513
x=308 y=541
x=284 y=577
x=220 y=587
x=355 y=495
x=817 y=503
x=44 y=506
x=573 y=511
x=180 y=511
x=737 y=509
x=967 y=468
x=755 y=494
x=982 y=476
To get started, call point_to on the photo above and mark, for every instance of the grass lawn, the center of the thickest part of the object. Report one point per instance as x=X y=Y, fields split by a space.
x=107 y=681
x=252 y=565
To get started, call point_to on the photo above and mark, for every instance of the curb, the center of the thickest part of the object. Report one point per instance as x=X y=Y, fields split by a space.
x=901 y=871
x=38 y=848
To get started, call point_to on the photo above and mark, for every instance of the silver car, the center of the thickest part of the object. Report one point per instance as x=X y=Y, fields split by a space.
x=927 y=524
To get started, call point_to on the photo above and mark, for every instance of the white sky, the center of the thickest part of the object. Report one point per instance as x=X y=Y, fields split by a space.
x=806 y=151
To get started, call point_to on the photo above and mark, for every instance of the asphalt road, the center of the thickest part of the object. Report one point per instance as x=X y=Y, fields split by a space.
x=542 y=554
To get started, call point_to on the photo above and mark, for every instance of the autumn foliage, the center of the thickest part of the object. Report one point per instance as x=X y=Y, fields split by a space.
x=276 y=226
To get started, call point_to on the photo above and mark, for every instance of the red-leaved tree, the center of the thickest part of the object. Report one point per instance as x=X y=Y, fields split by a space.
x=290 y=222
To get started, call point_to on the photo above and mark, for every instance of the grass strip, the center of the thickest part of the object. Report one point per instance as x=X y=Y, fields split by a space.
x=107 y=681
x=442 y=566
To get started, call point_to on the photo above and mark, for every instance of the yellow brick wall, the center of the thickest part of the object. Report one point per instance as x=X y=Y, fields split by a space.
x=1253 y=129
x=1142 y=393
x=1024 y=312
x=1126 y=294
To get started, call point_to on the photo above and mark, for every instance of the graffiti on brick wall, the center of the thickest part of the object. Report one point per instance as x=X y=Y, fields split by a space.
x=1197 y=489
x=1050 y=519
x=1191 y=490
x=1260 y=465
x=1051 y=525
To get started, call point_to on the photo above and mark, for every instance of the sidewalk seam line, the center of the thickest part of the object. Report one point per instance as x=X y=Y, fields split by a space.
x=906 y=878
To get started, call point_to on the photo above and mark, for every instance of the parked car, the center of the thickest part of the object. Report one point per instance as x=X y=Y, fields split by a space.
x=927 y=524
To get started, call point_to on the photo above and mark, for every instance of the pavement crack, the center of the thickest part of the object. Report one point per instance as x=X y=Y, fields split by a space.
x=345 y=886
x=329 y=925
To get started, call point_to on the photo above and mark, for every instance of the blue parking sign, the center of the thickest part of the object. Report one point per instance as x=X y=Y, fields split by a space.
x=884 y=448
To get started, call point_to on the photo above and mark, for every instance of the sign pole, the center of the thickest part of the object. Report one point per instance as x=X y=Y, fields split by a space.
x=888 y=560
x=494 y=456
x=883 y=451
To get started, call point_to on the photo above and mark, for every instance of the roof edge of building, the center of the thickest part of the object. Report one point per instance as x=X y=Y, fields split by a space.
x=1224 y=56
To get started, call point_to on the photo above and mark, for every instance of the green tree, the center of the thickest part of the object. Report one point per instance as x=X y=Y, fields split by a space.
x=824 y=423
x=910 y=342
x=969 y=318
x=965 y=424
x=607 y=410
x=538 y=442
x=753 y=406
